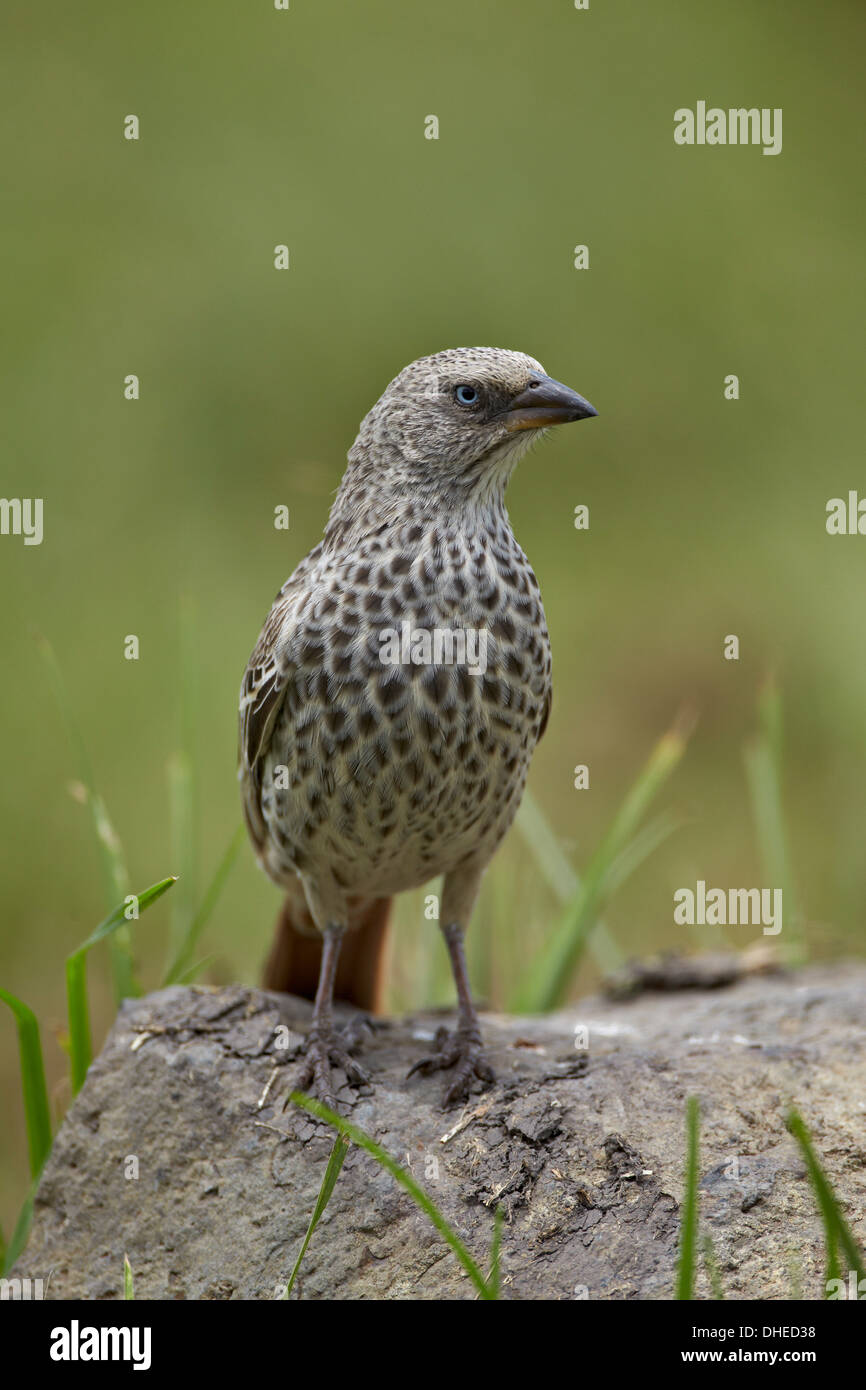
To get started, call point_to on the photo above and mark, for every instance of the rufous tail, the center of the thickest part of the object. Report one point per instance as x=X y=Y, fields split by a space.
x=292 y=967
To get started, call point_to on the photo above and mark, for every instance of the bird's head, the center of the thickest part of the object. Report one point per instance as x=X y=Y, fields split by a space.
x=459 y=420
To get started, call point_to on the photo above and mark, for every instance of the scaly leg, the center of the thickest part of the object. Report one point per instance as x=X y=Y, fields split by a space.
x=326 y=1047
x=462 y=1048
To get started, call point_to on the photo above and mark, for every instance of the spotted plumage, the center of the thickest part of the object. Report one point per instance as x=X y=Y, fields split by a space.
x=364 y=773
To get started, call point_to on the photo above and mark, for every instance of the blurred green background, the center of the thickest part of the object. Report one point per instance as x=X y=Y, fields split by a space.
x=306 y=127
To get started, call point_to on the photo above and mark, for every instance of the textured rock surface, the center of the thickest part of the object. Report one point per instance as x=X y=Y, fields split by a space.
x=584 y=1149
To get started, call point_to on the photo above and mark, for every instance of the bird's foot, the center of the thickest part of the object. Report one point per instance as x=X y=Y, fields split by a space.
x=326 y=1047
x=463 y=1049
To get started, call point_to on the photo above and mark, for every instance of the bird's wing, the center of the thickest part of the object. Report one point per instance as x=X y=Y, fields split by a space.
x=263 y=689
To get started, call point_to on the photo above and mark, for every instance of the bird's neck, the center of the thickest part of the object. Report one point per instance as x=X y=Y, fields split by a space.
x=373 y=500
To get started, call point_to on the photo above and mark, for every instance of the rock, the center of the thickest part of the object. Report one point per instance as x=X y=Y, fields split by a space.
x=583 y=1150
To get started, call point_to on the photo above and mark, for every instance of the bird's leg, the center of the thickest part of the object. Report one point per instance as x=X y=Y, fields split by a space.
x=325 y=1046
x=463 y=1047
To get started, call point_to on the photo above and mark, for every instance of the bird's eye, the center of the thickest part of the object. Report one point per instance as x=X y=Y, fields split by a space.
x=466 y=395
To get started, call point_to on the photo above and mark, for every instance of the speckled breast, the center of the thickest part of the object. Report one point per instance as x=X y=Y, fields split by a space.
x=418 y=683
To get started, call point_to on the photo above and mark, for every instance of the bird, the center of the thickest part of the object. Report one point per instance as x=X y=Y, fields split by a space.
x=391 y=706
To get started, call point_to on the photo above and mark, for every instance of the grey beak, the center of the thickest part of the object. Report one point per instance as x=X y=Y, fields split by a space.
x=546 y=402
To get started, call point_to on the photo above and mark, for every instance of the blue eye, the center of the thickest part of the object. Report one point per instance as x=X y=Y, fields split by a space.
x=466 y=395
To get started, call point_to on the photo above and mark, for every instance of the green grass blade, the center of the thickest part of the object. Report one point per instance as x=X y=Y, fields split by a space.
x=122 y=966
x=113 y=869
x=542 y=841
x=183 y=784
x=80 y=1050
x=34 y=1091
x=22 y=1230
x=332 y=1172
x=494 y=1278
x=117 y=880
x=128 y=1290
x=188 y=976
x=78 y=1015
x=180 y=964
x=689 y=1226
x=404 y=1178
x=763 y=759
x=645 y=843
x=837 y=1232
x=553 y=969
x=547 y=852
x=182 y=839
x=117 y=916
x=61 y=696
x=833 y=1269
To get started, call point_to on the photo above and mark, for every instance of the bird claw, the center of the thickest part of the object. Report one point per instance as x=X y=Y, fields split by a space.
x=463 y=1049
x=324 y=1048
x=357 y=1030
